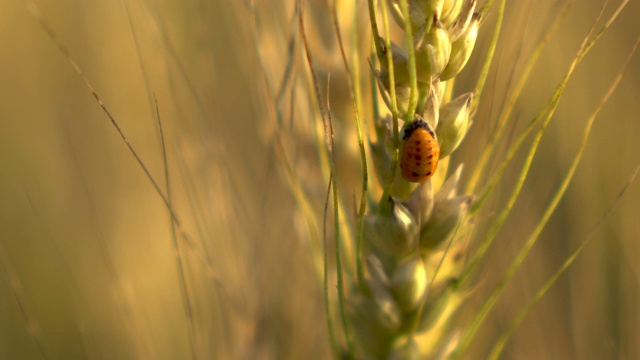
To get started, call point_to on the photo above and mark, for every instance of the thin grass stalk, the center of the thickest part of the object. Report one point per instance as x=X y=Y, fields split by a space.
x=145 y=76
x=377 y=41
x=413 y=78
x=305 y=204
x=490 y=148
x=33 y=8
x=171 y=50
x=179 y=254
x=291 y=47
x=384 y=200
x=531 y=241
x=545 y=116
x=327 y=300
x=375 y=103
x=302 y=199
x=515 y=323
x=326 y=118
x=365 y=170
x=352 y=79
x=584 y=49
x=493 y=44
x=338 y=251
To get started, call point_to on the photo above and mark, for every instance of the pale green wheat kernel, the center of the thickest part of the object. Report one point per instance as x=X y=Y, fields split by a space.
x=387 y=313
x=432 y=53
x=448 y=210
x=431 y=107
x=420 y=202
x=366 y=322
x=404 y=349
x=454 y=123
x=461 y=50
x=418 y=13
x=460 y=25
x=394 y=233
x=445 y=219
x=401 y=79
x=409 y=284
x=450 y=11
x=376 y=270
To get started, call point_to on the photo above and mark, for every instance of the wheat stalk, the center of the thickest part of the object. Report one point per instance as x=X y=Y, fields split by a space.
x=402 y=247
x=412 y=266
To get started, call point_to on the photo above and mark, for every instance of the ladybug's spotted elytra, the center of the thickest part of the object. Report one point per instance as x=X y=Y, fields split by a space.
x=420 y=152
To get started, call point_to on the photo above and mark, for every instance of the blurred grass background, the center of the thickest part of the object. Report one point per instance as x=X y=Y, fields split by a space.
x=86 y=241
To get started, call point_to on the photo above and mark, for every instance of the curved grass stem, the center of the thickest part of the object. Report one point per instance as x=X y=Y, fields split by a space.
x=534 y=236
x=545 y=117
x=328 y=127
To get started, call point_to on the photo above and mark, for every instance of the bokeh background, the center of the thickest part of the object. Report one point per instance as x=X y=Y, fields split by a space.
x=87 y=250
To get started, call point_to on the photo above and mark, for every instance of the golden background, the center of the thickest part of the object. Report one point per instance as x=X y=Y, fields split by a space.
x=88 y=263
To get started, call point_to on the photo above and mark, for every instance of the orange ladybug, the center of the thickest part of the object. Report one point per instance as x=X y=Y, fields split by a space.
x=420 y=152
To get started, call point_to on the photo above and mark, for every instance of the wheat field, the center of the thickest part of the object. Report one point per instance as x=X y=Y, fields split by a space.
x=198 y=247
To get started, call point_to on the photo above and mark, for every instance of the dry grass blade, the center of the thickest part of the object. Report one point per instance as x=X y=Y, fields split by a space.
x=186 y=297
x=388 y=61
x=355 y=99
x=328 y=128
x=183 y=233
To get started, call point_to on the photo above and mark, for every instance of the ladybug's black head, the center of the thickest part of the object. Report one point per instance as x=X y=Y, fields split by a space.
x=418 y=123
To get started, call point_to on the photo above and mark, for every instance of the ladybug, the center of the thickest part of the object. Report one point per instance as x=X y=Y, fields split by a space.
x=420 y=152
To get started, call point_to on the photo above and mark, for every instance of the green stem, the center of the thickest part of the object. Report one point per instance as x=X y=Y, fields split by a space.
x=384 y=201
